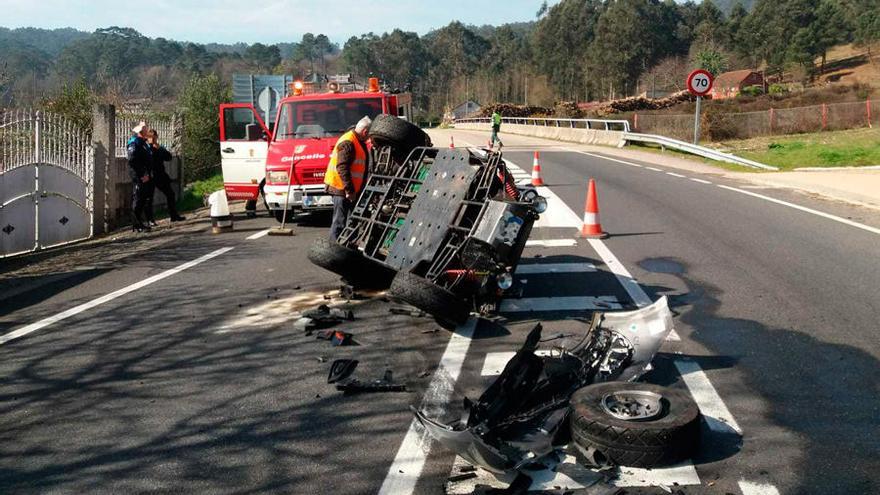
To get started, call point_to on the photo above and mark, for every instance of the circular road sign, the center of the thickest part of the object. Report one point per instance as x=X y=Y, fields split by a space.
x=699 y=82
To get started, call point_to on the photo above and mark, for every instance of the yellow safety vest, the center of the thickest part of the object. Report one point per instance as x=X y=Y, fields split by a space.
x=358 y=168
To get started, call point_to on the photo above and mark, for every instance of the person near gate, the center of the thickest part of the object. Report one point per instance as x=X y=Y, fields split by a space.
x=496 y=127
x=140 y=163
x=345 y=173
x=161 y=179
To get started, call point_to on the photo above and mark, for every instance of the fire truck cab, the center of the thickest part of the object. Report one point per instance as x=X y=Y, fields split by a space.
x=293 y=154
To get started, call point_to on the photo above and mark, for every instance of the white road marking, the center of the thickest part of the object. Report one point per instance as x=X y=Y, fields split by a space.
x=631 y=164
x=558 y=213
x=33 y=327
x=822 y=214
x=569 y=475
x=257 y=235
x=533 y=268
x=496 y=361
x=403 y=475
x=750 y=488
x=654 y=169
x=575 y=303
x=551 y=243
x=682 y=474
x=706 y=397
x=675 y=175
x=701 y=181
x=632 y=287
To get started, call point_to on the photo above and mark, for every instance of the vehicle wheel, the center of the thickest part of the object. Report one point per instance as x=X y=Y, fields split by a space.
x=429 y=297
x=635 y=424
x=279 y=215
x=399 y=133
x=350 y=264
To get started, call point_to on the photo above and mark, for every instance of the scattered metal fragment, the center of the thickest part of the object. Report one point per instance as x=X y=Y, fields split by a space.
x=341 y=369
x=385 y=384
x=416 y=313
x=462 y=477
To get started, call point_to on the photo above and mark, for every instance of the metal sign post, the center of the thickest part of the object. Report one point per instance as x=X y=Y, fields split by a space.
x=699 y=83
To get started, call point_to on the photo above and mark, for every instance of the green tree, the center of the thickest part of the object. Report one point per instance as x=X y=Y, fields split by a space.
x=264 y=57
x=711 y=59
x=75 y=101
x=200 y=104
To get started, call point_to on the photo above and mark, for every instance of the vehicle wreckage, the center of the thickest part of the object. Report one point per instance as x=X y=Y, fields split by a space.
x=582 y=392
x=442 y=229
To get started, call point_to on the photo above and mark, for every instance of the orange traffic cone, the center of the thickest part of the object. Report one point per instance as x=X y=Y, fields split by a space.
x=591 y=228
x=451 y=142
x=536 y=172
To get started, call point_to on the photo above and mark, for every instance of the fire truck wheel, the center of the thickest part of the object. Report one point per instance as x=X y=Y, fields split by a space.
x=399 y=133
x=279 y=215
x=420 y=292
x=634 y=424
x=350 y=264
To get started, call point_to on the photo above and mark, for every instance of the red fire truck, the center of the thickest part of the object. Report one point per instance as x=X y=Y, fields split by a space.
x=258 y=159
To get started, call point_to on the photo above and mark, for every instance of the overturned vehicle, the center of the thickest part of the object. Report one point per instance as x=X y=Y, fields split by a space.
x=583 y=393
x=442 y=229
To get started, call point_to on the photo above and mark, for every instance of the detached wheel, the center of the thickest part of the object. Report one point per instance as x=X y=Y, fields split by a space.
x=429 y=297
x=399 y=133
x=635 y=424
x=350 y=264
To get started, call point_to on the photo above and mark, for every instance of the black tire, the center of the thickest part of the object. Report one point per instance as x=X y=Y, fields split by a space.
x=669 y=438
x=398 y=133
x=350 y=264
x=420 y=292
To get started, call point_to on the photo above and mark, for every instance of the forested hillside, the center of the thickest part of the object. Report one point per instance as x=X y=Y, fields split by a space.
x=574 y=50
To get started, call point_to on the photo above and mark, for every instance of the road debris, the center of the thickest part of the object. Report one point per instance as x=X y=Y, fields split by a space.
x=341 y=369
x=385 y=384
x=521 y=418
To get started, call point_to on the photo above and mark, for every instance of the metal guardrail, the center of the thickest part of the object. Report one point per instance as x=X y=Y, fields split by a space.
x=595 y=124
x=694 y=149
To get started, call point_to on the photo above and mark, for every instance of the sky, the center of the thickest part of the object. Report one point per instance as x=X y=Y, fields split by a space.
x=266 y=21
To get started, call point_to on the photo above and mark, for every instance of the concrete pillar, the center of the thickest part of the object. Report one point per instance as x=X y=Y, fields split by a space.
x=104 y=145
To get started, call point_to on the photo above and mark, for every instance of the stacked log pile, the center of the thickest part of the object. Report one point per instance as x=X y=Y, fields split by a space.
x=508 y=110
x=641 y=103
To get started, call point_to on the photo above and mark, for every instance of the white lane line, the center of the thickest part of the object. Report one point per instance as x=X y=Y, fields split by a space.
x=676 y=175
x=496 y=361
x=681 y=474
x=706 y=397
x=750 y=488
x=822 y=214
x=701 y=181
x=654 y=169
x=403 y=475
x=632 y=287
x=33 y=327
x=551 y=243
x=535 y=268
x=631 y=164
x=576 y=303
x=257 y=235
x=558 y=213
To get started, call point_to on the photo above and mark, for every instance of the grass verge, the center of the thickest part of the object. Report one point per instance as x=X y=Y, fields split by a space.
x=194 y=195
x=851 y=148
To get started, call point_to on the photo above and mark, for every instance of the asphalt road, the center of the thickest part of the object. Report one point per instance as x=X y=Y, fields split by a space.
x=198 y=382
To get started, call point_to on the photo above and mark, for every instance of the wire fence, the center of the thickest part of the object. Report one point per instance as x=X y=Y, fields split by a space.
x=716 y=126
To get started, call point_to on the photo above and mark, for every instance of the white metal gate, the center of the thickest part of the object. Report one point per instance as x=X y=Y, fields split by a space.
x=46 y=181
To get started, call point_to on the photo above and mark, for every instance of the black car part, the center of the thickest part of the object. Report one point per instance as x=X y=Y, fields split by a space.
x=523 y=415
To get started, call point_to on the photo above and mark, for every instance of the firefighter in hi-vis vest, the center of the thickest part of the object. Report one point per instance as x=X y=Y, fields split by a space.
x=345 y=173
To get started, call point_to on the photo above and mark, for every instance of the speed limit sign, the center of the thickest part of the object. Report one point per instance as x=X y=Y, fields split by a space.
x=699 y=82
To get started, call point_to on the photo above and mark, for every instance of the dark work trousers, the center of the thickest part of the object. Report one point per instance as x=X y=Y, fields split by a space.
x=495 y=130
x=341 y=210
x=163 y=184
x=141 y=199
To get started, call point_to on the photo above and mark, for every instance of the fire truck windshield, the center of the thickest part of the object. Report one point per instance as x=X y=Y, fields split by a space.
x=323 y=118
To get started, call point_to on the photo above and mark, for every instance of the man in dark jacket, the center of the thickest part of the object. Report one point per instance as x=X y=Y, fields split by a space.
x=140 y=162
x=345 y=173
x=161 y=180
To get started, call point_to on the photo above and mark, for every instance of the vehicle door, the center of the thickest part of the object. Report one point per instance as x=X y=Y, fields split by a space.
x=244 y=144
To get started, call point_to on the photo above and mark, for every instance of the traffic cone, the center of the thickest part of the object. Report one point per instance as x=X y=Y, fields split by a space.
x=591 y=228
x=451 y=142
x=536 y=172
